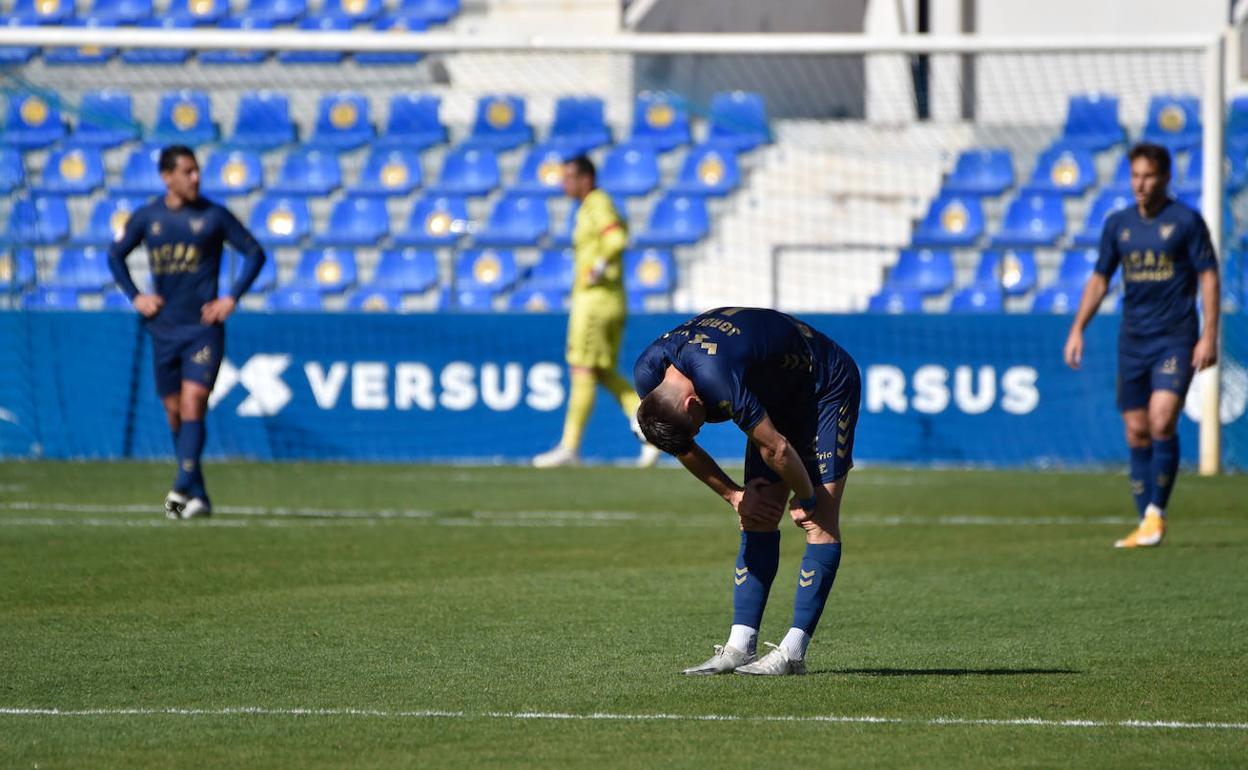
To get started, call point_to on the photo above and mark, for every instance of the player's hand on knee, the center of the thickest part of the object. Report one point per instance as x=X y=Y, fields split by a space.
x=802 y=516
x=759 y=507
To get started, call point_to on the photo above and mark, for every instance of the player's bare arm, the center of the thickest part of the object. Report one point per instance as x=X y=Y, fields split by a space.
x=782 y=458
x=1093 y=294
x=1205 y=354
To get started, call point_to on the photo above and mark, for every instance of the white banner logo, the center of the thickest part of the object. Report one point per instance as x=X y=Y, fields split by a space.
x=261 y=376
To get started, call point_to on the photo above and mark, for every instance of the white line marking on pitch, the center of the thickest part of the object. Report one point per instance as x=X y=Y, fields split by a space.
x=608 y=717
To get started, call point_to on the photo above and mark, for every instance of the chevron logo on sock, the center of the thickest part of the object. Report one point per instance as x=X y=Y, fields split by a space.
x=806 y=578
x=742 y=574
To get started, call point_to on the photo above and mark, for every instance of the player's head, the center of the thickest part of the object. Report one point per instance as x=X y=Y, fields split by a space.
x=1150 y=172
x=579 y=177
x=180 y=172
x=672 y=414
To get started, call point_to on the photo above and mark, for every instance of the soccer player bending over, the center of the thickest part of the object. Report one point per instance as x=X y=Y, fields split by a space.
x=1165 y=251
x=795 y=394
x=184 y=234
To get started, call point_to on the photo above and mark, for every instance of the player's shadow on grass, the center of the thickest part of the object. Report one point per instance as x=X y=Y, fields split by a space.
x=949 y=671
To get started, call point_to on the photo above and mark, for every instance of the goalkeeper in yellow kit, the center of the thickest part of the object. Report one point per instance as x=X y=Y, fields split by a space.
x=599 y=308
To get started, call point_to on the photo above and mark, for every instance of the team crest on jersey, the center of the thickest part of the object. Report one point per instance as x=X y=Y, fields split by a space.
x=155 y=231
x=203 y=355
x=1126 y=235
x=197 y=225
x=1166 y=231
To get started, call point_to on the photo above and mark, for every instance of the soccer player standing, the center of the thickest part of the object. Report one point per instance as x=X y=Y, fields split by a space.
x=795 y=393
x=599 y=309
x=185 y=234
x=1165 y=252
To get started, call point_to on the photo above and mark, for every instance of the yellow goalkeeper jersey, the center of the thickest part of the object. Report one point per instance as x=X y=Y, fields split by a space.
x=598 y=240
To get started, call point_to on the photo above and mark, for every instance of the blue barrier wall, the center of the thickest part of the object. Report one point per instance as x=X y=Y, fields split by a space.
x=937 y=389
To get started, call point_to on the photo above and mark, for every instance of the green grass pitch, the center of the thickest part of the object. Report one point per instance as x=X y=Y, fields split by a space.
x=389 y=616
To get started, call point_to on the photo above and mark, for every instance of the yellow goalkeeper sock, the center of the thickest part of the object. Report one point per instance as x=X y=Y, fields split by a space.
x=623 y=392
x=580 y=404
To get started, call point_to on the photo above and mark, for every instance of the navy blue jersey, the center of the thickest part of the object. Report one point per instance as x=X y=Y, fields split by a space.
x=1160 y=257
x=747 y=362
x=184 y=250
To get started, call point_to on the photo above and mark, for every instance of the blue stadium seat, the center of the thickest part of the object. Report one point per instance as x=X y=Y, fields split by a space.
x=390 y=172
x=500 y=123
x=274 y=11
x=106 y=119
x=1063 y=169
x=85 y=54
x=491 y=270
x=72 y=171
x=468 y=170
x=82 y=269
x=184 y=117
x=981 y=171
x=413 y=123
x=1077 y=266
x=237 y=57
x=396 y=25
x=317 y=24
x=263 y=121
x=308 y=171
x=660 y=121
x=554 y=271
x=17 y=270
x=1235 y=175
x=1032 y=219
x=429 y=11
x=369 y=299
x=407 y=271
x=560 y=239
x=128 y=12
x=232 y=265
x=952 y=220
x=1092 y=122
x=1173 y=122
x=44 y=11
x=199 y=12
x=977 y=299
x=436 y=220
x=1105 y=204
x=1237 y=127
x=232 y=172
x=356 y=220
x=1121 y=180
x=327 y=270
x=1012 y=271
x=629 y=169
x=649 y=271
x=294 y=299
x=44 y=298
x=475 y=300
x=516 y=220
x=579 y=125
x=895 y=302
x=708 y=170
x=535 y=300
x=32 y=121
x=676 y=220
x=342 y=121
x=1059 y=298
x=115 y=300
x=739 y=121
x=280 y=221
x=542 y=171
x=12 y=170
x=159 y=55
x=353 y=11
x=37 y=221
x=141 y=173
x=108 y=220
x=921 y=270
x=1195 y=201
x=14 y=55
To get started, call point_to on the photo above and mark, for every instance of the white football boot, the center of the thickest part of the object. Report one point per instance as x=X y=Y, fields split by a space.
x=558 y=457
x=774 y=663
x=724 y=661
x=197 y=508
x=174 y=503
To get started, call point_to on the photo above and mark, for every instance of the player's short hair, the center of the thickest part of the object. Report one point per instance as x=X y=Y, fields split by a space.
x=665 y=423
x=169 y=156
x=1158 y=155
x=583 y=165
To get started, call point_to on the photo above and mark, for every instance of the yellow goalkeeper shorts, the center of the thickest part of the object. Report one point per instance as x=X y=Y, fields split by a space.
x=595 y=329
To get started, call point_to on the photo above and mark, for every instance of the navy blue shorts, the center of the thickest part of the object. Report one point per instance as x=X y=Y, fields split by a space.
x=191 y=353
x=1144 y=368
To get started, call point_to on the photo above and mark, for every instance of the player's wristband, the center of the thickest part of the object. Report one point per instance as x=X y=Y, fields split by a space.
x=808 y=504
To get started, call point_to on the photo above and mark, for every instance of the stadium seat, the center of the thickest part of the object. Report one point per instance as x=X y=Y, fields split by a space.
x=981 y=171
x=924 y=271
x=14 y=55
x=516 y=220
x=553 y=271
x=542 y=171
x=159 y=55
x=199 y=12
x=660 y=121
x=1121 y=181
x=491 y=270
x=1173 y=122
x=1077 y=266
x=475 y=300
x=342 y=121
x=115 y=300
x=108 y=220
x=952 y=220
x=629 y=169
x=413 y=123
x=43 y=11
x=436 y=220
x=141 y=173
x=1092 y=122
x=17 y=270
x=977 y=299
x=308 y=171
x=429 y=11
x=106 y=119
x=368 y=299
x=356 y=221
x=327 y=270
x=398 y=26
x=352 y=11
x=708 y=170
x=184 y=117
x=237 y=57
x=293 y=299
x=579 y=125
x=1105 y=204
x=895 y=302
x=274 y=11
x=406 y=271
x=72 y=171
x=1061 y=299
x=37 y=221
x=82 y=269
x=31 y=122
x=1012 y=271
x=738 y=120
x=389 y=172
x=536 y=300
x=232 y=265
x=263 y=121
x=1237 y=127
x=676 y=220
x=1234 y=174
x=500 y=123
x=128 y=12
x=88 y=54
x=232 y=172
x=649 y=271
x=46 y=298
x=280 y=221
x=12 y=170
x=468 y=170
x=561 y=239
x=1064 y=170
x=1032 y=219
x=317 y=24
